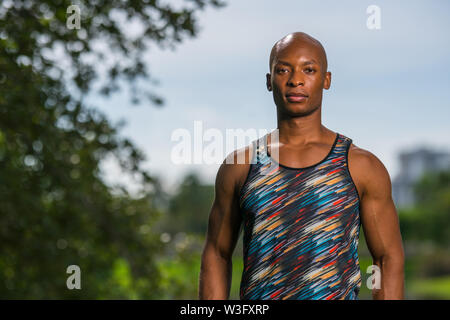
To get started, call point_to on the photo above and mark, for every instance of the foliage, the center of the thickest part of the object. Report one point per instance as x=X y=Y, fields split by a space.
x=435 y=288
x=180 y=276
x=189 y=207
x=429 y=220
x=56 y=210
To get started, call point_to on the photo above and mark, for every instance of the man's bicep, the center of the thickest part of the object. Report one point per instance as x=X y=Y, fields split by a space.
x=378 y=214
x=224 y=219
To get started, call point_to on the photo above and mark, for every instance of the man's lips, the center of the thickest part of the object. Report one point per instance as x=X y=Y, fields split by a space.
x=296 y=96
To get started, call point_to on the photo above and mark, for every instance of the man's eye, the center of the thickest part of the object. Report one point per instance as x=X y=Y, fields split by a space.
x=309 y=70
x=281 y=70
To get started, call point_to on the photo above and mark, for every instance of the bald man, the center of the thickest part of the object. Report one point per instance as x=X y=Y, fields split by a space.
x=302 y=199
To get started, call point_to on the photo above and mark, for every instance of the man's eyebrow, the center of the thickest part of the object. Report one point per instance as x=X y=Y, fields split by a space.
x=312 y=61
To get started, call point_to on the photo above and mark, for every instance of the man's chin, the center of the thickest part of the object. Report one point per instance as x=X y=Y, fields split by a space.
x=298 y=109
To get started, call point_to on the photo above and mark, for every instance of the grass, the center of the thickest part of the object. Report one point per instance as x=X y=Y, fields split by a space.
x=435 y=288
x=238 y=267
x=180 y=281
x=179 y=277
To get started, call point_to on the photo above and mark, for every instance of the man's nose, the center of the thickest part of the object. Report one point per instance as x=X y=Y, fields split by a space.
x=296 y=79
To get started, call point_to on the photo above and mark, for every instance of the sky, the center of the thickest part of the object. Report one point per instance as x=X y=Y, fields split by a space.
x=389 y=90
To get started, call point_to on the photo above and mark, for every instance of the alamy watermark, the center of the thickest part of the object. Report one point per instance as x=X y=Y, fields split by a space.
x=374 y=19
x=212 y=146
x=374 y=281
x=74 y=280
x=74 y=17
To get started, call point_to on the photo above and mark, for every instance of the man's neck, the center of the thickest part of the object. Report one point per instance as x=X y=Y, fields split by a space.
x=301 y=130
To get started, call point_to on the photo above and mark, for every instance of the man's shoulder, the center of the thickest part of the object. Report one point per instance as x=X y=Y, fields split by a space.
x=367 y=170
x=365 y=159
x=239 y=157
x=235 y=167
x=362 y=157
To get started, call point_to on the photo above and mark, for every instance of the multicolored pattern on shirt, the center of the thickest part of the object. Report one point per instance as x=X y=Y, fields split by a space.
x=301 y=228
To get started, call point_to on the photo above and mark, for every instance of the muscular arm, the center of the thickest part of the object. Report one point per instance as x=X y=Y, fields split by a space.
x=380 y=223
x=223 y=231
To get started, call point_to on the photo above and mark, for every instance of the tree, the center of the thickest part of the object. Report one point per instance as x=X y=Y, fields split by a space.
x=55 y=208
x=188 y=209
x=429 y=220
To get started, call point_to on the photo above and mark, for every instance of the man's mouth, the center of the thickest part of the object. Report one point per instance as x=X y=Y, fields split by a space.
x=296 y=96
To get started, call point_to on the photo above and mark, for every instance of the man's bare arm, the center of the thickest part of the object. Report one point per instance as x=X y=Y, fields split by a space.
x=380 y=223
x=223 y=232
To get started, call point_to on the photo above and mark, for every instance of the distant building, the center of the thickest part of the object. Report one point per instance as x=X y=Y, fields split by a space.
x=413 y=164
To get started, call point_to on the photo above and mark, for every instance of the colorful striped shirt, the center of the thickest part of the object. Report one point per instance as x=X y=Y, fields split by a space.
x=301 y=228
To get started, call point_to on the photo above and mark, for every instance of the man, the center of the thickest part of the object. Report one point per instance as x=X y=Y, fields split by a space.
x=301 y=221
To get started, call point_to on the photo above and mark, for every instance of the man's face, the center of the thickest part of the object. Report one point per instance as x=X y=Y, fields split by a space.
x=298 y=78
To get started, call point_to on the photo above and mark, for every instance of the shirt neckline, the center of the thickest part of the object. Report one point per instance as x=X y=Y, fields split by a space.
x=313 y=165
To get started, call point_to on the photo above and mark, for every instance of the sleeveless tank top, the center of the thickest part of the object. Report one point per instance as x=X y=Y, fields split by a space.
x=301 y=228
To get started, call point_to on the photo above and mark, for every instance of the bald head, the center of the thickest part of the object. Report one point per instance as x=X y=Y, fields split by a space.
x=299 y=39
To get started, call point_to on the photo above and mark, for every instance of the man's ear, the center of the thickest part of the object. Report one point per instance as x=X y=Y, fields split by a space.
x=268 y=82
x=327 y=80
